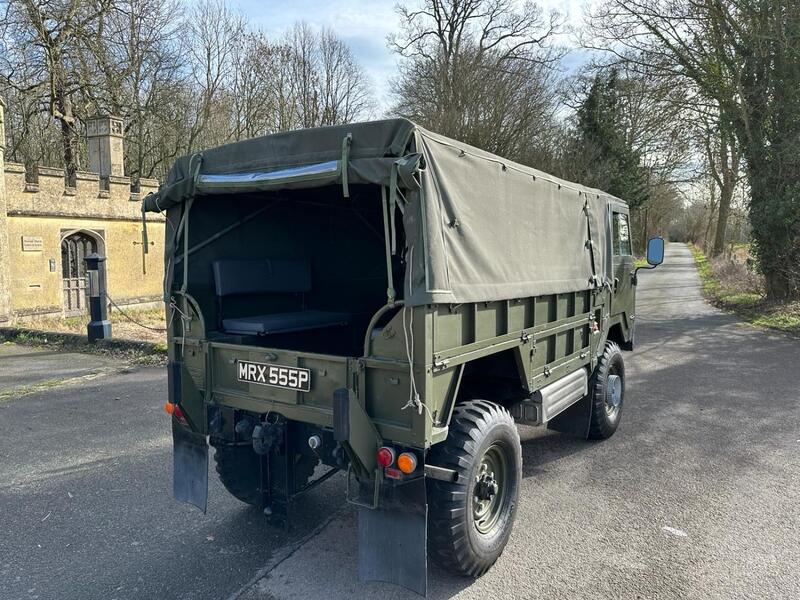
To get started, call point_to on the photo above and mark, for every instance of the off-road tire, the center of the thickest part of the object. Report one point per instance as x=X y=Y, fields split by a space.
x=604 y=423
x=454 y=539
x=239 y=470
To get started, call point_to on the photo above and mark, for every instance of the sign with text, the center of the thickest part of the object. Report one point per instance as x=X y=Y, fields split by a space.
x=32 y=243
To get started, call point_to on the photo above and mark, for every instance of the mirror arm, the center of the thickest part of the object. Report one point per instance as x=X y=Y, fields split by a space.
x=635 y=273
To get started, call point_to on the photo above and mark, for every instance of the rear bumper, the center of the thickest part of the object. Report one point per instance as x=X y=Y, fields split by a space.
x=380 y=386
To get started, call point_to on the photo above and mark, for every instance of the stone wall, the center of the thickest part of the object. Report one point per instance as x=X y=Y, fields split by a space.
x=50 y=197
x=5 y=277
x=36 y=217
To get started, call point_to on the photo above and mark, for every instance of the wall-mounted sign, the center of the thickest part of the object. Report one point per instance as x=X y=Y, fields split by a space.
x=32 y=243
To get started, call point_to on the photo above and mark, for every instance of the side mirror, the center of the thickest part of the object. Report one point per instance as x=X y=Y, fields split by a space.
x=655 y=251
x=655 y=256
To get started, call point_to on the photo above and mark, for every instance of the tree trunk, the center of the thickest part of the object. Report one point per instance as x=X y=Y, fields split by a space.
x=69 y=137
x=725 y=197
x=774 y=218
x=779 y=287
x=70 y=146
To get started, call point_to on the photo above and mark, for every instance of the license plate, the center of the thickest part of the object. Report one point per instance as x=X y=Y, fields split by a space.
x=290 y=378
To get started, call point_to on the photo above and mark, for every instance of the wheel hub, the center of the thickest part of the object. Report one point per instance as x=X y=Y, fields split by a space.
x=489 y=491
x=486 y=486
x=613 y=393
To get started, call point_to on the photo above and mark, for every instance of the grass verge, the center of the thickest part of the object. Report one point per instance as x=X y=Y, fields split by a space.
x=747 y=303
x=134 y=324
x=131 y=351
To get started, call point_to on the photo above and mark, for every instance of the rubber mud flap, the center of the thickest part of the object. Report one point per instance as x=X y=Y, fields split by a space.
x=190 y=466
x=393 y=539
x=576 y=419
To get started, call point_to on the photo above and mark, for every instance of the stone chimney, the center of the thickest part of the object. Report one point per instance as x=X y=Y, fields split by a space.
x=104 y=136
x=5 y=269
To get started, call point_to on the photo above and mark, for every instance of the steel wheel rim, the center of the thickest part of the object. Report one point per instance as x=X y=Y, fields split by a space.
x=489 y=492
x=614 y=391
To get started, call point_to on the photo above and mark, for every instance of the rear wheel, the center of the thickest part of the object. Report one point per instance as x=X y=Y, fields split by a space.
x=470 y=520
x=239 y=470
x=607 y=393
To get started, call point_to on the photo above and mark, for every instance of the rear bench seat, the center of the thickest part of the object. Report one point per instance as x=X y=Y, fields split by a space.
x=263 y=277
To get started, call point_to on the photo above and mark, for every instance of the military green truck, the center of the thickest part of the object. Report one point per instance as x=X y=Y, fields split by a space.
x=379 y=300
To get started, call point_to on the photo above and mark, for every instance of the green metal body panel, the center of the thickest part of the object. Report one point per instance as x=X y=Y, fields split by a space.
x=549 y=337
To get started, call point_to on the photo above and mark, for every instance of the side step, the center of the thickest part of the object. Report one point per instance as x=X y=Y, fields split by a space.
x=553 y=399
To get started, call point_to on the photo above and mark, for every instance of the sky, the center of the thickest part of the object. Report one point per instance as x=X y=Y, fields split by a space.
x=365 y=24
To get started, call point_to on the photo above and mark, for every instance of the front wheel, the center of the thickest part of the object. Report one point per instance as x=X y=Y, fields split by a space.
x=470 y=520
x=607 y=393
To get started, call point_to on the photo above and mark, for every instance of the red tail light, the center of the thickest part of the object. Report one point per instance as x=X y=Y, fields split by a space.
x=385 y=456
x=177 y=412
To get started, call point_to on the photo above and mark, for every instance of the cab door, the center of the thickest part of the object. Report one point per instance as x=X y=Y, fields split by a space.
x=622 y=250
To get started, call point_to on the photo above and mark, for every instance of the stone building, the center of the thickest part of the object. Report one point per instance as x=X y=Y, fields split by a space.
x=46 y=228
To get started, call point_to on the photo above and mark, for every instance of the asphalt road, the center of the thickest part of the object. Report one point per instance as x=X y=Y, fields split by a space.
x=696 y=496
x=86 y=508
x=24 y=368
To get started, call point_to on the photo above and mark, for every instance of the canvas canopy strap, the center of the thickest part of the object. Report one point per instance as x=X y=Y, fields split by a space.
x=390 y=291
x=183 y=231
x=179 y=187
x=403 y=171
x=594 y=280
x=348 y=139
x=393 y=191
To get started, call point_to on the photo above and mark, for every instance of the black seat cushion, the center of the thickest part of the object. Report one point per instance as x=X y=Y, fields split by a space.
x=283 y=322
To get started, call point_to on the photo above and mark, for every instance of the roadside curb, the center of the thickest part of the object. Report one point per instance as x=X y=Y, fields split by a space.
x=284 y=554
x=137 y=351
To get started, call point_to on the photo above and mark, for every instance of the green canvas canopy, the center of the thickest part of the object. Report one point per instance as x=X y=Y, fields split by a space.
x=477 y=227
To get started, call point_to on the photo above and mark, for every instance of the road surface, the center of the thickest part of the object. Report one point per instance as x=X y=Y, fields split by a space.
x=696 y=496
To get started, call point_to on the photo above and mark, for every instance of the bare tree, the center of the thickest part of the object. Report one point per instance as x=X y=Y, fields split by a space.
x=254 y=100
x=46 y=50
x=284 y=90
x=31 y=134
x=138 y=55
x=722 y=160
x=478 y=70
x=328 y=86
x=304 y=67
x=180 y=82
x=216 y=36
x=345 y=89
